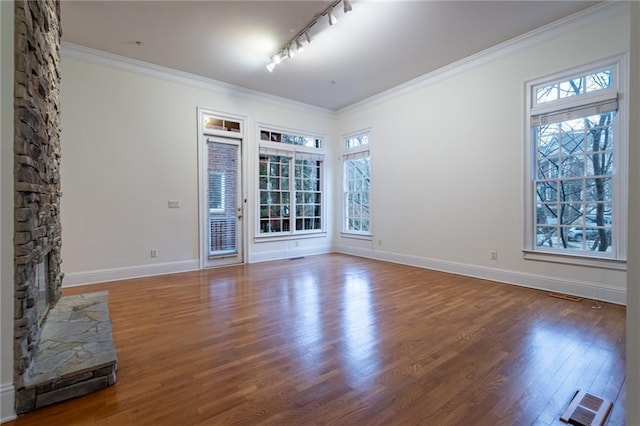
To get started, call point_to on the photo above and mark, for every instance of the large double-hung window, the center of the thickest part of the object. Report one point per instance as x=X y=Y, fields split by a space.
x=290 y=184
x=576 y=197
x=356 y=167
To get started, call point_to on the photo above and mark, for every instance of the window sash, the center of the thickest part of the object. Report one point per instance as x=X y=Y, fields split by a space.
x=356 y=190
x=356 y=194
x=570 y=200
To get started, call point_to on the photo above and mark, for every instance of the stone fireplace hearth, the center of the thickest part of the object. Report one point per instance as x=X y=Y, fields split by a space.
x=75 y=354
x=59 y=351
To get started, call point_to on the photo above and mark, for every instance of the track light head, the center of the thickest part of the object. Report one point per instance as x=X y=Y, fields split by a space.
x=346 y=4
x=307 y=36
x=299 y=46
x=271 y=65
x=277 y=58
x=332 y=18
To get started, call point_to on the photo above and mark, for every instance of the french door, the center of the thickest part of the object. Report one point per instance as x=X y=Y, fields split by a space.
x=222 y=207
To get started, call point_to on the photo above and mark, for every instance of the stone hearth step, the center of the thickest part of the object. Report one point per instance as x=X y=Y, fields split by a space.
x=76 y=354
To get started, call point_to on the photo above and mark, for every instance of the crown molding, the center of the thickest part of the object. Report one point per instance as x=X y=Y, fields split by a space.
x=587 y=17
x=99 y=57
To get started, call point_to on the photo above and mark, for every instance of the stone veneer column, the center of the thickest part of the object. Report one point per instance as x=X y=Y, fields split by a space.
x=36 y=170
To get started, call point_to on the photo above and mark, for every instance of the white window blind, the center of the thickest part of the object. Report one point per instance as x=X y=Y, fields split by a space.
x=222 y=192
x=580 y=111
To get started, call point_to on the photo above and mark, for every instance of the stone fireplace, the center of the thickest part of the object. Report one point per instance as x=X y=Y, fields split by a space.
x=37 y=238
x=75 y=354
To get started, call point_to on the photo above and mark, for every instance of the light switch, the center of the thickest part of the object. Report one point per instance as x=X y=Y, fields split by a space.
x=174 y=204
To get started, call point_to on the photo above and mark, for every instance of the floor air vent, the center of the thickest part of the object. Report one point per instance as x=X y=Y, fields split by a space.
x=586 y=410
x=566 y=297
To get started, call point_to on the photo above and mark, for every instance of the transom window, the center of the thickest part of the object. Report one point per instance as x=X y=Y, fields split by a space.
x=575 y=199
x=356 y=168
x=290 y=184
x=591 y=82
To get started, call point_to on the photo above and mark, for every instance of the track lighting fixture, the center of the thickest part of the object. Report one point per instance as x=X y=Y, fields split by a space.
x=289 y=49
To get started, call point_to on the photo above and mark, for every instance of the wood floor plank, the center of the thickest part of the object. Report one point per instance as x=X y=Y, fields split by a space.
x=335 y=339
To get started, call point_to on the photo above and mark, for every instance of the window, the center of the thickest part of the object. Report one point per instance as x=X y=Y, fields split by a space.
x=576 y=198
x=290 y=184
x=356 y=184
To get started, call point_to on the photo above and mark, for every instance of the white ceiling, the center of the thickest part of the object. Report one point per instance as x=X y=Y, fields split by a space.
x=377 y=46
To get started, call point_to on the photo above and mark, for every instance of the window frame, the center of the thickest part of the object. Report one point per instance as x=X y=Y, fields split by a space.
x=292 y=152
x=616 y=259
x=346 y=152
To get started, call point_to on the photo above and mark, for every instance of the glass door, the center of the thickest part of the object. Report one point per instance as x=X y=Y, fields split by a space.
x=223 y=195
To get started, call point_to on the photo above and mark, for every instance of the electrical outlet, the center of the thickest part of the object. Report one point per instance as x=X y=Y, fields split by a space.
x=174 y=204
x=297 y=243
x=154 y=252
x=379 y=242
x=494 y=254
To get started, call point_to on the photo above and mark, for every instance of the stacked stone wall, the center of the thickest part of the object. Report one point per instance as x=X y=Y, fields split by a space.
x=36 y=170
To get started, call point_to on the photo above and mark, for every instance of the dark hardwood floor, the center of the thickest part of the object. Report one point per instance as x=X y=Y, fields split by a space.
x=336 y=339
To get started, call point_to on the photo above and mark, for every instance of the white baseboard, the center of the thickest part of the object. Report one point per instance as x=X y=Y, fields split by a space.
x=585 y=289
x=590 y=290
x=266 y=256
x=93 y=277
x=7 y=403
x=105 y=275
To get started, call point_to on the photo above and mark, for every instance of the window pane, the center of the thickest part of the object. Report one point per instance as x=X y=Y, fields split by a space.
x=547 y=236
x=547 y=191
x=573 y=143
x=547 y=94
x=598 y=81
x=571 y=88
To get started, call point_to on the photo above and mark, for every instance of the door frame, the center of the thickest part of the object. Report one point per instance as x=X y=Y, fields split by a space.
x=203 y=252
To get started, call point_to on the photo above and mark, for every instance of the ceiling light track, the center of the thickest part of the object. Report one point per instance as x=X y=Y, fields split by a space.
x=296 y=43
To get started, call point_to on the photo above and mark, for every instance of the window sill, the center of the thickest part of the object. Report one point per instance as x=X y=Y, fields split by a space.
x=366 y=237
x=284 y=237
x=593 y=262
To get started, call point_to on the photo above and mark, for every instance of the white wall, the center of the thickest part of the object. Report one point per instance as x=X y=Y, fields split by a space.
x=633 y=278
x=129 y=144
x=447 y=163
x=7 y=410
